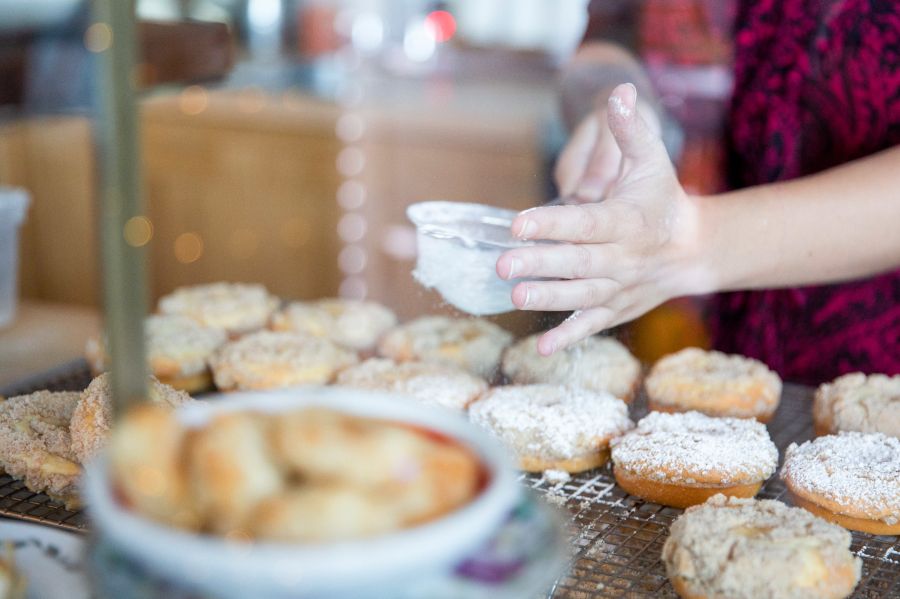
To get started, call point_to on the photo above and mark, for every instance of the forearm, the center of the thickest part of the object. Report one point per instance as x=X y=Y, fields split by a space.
x=837 y=225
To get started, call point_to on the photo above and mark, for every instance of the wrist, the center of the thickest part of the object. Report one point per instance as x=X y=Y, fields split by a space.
x=691 y=267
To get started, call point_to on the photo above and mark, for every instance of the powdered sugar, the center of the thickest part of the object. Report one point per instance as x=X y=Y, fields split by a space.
x=433 y=384
x=691 y=448
x=551 y=422
x=857 y=402
x=857 y=470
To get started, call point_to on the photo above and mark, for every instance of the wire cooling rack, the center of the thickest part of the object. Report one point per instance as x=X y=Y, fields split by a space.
x=617 y=538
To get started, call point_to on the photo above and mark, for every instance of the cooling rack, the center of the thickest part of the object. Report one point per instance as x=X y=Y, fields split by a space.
x=617 y=538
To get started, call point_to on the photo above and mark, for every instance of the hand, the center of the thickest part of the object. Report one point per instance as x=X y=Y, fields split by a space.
x=620 y=257
x=589 y=164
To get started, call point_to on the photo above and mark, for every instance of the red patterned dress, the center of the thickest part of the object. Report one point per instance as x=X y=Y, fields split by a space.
x=817 y=84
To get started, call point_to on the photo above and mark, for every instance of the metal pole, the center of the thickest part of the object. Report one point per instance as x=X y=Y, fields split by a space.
x=124 y=280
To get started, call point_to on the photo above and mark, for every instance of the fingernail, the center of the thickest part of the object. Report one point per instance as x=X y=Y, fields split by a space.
x=632 y=94
x=528 y=228
x=527 y=301
x=515 y=265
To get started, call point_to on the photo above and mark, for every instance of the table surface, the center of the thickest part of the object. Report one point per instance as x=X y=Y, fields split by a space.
x=44 y=335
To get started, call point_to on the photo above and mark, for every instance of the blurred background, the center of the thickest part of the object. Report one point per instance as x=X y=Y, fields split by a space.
x=282 y=141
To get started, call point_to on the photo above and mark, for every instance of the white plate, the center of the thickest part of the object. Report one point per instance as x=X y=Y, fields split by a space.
x=51 y=560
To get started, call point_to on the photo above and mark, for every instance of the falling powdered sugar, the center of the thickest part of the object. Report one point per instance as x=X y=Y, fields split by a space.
x=857 y=470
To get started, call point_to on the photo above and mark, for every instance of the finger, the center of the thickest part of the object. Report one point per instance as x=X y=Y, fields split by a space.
x=601 y=170
x=574 y=159
x=633 y=135
x=591 y=223
x=563 y=261
x=564 y=295
x=581 y=324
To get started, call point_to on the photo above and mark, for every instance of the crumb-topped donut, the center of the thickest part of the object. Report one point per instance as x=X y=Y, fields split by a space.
x=553 y=427
x=237 y=308
x=714 y=383
x=430 y=383
x=178 y=348
x=473 y=344
x=36 y=446
x=851 y=479
x=856 y=402
x=270 y=360
x=748 y=548
x=93 y=416
x=683 y=459
x=596 y=363
x=352 y=323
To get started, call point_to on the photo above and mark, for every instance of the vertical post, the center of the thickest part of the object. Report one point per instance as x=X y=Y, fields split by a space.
x=124 y=280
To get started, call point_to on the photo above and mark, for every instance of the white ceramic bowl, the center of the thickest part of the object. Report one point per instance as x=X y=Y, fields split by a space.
x=344 y=569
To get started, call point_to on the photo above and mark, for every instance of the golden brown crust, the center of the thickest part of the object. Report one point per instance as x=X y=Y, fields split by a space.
x=817 y=506
x=714 y=383
x=572 y=465
x=679 y=495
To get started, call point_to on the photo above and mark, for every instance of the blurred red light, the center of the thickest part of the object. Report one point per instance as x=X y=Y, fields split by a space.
x=442 y=25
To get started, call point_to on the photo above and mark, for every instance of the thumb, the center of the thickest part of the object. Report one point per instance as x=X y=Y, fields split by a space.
x=630 y=130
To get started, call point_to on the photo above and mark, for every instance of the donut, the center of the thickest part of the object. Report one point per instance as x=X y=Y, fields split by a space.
x=145 y=460
x=237 y=308
x=433 y=384
x=551 y=427
x=36 y=446
x=272 y=360
x=473 y=344
x=92 y=417
x=851 y=479
x=682 y=459
x=748 y=548
x=351 y=323
x=178 y=348
x=596 y=363
x=714 y=383
x=231 y=469
x=857 y=402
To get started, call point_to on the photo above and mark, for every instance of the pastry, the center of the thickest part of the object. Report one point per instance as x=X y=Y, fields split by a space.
x=351 y=323
x=856 y=402
x=430 y=383
x=92 y=418
x=748 y=548
x=271 y=360
x=473 y=344
x=683 y=459
x=237 y=308
x=851 y=479
x=552 y=427
x=596 y=363
x=714 y=383
x=178 y=348
x=36 y=446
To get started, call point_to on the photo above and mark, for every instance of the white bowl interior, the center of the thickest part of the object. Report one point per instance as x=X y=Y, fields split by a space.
x=278 y=569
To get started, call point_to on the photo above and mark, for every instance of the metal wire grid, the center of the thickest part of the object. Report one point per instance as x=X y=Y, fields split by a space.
x=617 y=538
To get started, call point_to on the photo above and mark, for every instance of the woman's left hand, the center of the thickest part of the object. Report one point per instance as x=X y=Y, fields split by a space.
x=620 y=257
